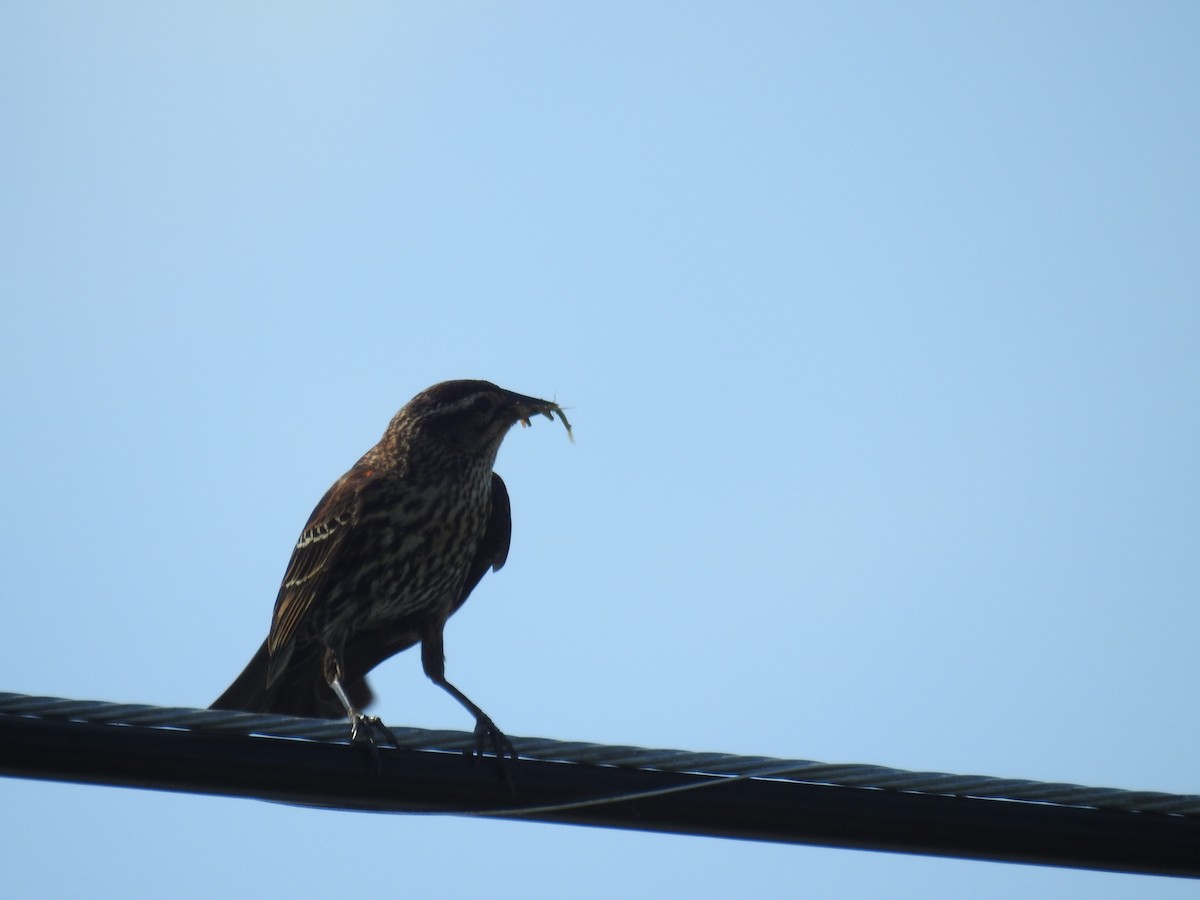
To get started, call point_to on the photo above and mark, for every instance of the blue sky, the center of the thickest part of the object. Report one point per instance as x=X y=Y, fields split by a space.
x=878 y=325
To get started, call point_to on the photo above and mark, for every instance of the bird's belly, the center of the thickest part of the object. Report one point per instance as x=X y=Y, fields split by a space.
x=421 y=574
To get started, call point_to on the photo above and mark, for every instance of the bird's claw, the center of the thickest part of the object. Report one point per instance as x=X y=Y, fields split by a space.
x=489 y=737
x=363 y=730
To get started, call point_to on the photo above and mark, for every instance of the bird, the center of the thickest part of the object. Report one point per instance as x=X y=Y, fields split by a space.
x=390 y=552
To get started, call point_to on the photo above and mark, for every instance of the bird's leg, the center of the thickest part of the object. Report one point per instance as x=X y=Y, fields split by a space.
x=433 y=659
x=362 y=728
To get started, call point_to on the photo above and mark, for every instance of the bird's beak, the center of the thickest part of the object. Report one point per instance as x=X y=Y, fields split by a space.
x=525 y=408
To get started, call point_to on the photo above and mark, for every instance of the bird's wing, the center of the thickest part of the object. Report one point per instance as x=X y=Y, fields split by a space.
x=324 y=534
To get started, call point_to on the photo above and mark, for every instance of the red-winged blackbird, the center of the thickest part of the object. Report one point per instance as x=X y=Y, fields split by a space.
x=391 y=551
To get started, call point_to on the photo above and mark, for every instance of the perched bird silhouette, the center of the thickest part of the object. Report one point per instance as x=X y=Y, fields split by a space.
x=392 y=550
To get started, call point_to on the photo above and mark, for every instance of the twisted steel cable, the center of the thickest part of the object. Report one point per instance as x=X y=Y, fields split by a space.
x=639 y=758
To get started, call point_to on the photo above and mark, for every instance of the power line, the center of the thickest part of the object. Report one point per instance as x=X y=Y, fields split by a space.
x=307 y=762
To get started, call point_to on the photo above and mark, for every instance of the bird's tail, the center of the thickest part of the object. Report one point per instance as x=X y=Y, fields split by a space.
x=299 y=690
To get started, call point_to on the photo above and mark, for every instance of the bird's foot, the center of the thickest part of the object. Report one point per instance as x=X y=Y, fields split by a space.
x=363 y=730
x=489 y=737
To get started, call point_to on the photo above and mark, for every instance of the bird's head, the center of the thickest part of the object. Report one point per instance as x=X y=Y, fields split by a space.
x=467 y=417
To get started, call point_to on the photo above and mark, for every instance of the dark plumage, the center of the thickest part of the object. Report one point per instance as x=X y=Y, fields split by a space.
x=391 y=551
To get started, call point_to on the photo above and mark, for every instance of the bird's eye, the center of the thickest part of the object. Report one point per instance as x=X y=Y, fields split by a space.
x=482 y=405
